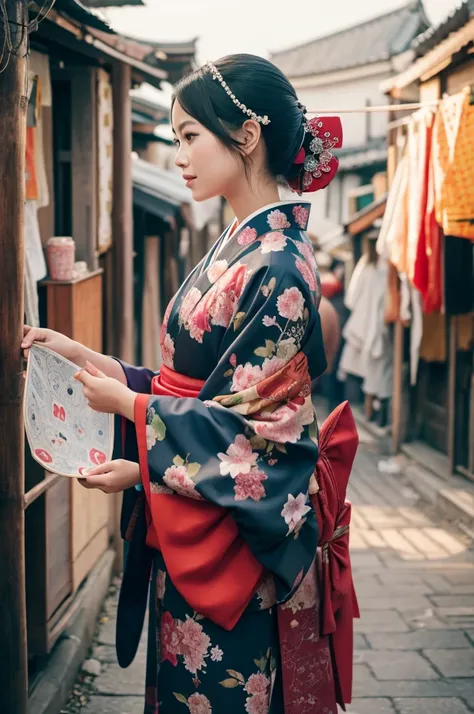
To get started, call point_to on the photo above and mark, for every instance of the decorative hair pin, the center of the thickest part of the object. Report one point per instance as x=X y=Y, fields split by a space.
x=217 y=75
x=316 y=165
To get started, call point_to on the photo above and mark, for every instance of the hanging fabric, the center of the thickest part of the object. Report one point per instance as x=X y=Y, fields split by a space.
x=31 y=186
x=453 y=147
x=392 y=240
x=39 y=66
x=420 y=132
x=377 y=352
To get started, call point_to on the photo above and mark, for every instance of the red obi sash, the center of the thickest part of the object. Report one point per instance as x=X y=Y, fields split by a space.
x=215 y=570
x=208 y=562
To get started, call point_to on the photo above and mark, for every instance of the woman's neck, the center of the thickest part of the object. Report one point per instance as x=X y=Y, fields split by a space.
x=252 y=198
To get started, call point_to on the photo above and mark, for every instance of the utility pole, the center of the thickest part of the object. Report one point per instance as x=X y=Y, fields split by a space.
x=13 y=104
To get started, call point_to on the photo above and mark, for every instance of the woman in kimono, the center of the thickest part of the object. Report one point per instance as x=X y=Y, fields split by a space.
x=223 y=441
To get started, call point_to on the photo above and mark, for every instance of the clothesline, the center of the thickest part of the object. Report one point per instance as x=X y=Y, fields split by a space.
x=383 y=108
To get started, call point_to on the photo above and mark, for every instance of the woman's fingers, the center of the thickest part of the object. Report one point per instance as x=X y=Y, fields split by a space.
x=84 y=377
x=101 y=469
x=30 y=335
x=92 y=369
x=94 y=481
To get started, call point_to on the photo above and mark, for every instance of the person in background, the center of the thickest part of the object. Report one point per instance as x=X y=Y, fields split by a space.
x=332 y=289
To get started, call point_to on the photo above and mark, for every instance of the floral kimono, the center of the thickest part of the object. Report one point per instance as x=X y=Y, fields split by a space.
x=227 y=441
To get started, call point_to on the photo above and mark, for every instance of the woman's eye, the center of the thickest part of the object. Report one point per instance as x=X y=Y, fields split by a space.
x=189 y=137
x=176 y=142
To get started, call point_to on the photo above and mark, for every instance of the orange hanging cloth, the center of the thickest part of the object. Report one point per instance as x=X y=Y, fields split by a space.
x=453 y=154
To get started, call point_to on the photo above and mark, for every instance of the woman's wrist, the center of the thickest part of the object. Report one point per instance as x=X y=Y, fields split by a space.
x=77 y=353
x=127 y=404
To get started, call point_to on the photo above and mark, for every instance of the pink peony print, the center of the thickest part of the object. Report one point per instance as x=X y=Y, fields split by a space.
x=277 y=219
x=269 y=321
x=239 y=457
x=216 y=270
x=221 y=301
x=216 y=654
x=199 y=704
x=273 y=242
x=308 y=273
x=257 y=684
x=249 y=485
x=170 y=638
x=245 y=376
x=294 y=510
x=291 y=304
x=257 y=704
x=307 y=252
x=233 y=359
x=272 y=365
x=189 y=302
x=247 y=236
x=286 y=423
x=194 y=645
x=224 y=309
x=160 y=584
x=167 y=351
x=301 y=216
x=198 y=323
x=177 y=478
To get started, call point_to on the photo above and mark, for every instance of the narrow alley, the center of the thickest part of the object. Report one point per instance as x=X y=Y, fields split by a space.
x=414 y=576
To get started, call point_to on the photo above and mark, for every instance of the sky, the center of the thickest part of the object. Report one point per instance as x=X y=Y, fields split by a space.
x=255 y=26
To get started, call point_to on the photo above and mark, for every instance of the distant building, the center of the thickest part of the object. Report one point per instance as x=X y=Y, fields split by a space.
x=345 y=70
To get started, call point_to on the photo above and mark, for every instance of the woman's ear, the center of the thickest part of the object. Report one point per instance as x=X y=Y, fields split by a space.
x=250 y=134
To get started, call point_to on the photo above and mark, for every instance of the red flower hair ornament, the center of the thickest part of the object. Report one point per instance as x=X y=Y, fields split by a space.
x=315 y=165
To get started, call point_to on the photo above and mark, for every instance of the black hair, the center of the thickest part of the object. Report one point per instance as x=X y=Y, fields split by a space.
x=262 y=87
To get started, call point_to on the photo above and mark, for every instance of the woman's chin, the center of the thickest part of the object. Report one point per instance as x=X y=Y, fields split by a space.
x=200 y=194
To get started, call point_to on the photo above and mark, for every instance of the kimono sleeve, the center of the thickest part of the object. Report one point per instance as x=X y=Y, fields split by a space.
x=125 y=444
x=255 y=465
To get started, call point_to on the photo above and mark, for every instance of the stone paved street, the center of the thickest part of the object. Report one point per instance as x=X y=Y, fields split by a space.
x=414 y=643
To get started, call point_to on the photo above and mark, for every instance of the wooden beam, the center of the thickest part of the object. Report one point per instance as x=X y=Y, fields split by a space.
x=122 y=212
x=452 y=380
x=13 y=104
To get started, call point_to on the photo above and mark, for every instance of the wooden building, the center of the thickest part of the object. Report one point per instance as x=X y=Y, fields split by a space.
x=434 y=419
x=82 y=74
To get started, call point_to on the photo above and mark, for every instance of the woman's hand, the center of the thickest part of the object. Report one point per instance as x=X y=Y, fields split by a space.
x=112 y=477
x=106 y=394
x=54 y=341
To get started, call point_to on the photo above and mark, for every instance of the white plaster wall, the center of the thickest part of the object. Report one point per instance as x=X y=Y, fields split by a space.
x=346 y=95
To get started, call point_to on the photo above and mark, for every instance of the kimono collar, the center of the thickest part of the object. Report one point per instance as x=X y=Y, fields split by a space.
x=277 y=217
x=280 y=216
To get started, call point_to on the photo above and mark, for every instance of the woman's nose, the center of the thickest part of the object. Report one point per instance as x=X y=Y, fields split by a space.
x=181 y=159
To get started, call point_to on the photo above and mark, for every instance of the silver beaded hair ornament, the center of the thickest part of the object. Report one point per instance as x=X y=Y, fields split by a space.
x=217 y=75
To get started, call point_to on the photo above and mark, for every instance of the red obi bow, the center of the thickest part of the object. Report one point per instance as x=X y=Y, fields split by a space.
x=337 y=449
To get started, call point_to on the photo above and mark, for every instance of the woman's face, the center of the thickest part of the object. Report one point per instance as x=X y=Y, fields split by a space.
x=207 y=166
